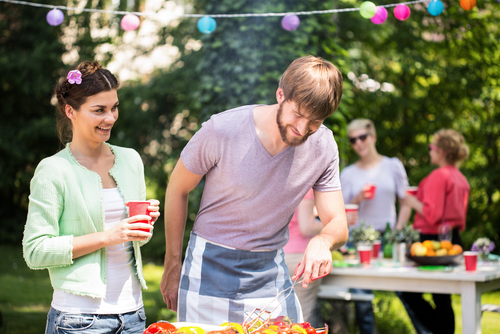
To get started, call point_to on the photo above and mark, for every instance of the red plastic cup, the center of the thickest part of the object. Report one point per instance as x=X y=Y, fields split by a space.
x=370 y=193
x=350 y=210
x=376 y=248
x=412 y=190
x=139 y=208
x=365 y=253
x=470 y=261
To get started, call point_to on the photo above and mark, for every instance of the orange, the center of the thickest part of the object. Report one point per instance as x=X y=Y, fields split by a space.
x=457 y=248
x=446 y=244
x=428 y=244
x=430 y=252
x=414 y=247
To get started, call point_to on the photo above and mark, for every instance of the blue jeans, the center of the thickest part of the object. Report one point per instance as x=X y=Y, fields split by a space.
x=365 y=319
x=65 y=322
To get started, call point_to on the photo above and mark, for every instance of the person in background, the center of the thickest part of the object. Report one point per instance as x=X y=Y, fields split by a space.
x=77 y=225
x=303 y=226
x=441 y=199
x=389 y=177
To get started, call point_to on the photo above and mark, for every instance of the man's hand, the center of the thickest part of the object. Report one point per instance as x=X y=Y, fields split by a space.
x=316 y=262
x=170 y=285
x=317 y=259
x=180 y=184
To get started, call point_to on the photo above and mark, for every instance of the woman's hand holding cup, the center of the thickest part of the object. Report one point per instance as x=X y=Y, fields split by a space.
x=133 y=228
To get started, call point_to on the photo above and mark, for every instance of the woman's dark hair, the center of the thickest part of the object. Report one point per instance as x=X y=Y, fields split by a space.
x=95 y=79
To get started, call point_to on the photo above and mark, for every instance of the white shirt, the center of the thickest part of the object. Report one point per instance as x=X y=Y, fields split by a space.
x=123 y=290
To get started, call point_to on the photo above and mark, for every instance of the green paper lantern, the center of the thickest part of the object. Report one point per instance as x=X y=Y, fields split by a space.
x=367 y=9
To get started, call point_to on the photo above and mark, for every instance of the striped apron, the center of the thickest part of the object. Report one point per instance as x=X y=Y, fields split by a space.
x=220 y=284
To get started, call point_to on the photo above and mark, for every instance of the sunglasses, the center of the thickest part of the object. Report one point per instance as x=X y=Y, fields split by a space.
x=362 y=137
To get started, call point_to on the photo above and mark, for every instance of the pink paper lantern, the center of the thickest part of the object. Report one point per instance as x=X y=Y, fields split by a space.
x=402 y=12
x=130 y=22
x=380 y=15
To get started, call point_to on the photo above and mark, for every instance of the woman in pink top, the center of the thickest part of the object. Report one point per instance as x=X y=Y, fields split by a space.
x=302 y=228
x=441 y=199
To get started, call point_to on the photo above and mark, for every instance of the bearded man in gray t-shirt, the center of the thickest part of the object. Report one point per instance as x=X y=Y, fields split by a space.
x=259 y=162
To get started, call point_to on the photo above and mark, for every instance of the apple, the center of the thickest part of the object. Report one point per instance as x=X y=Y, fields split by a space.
x=420 y=250
x=436 y=244
x=441 y=252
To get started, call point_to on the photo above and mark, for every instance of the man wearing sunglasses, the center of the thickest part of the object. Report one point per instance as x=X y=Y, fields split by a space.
x=259 y=162
x=373 y=182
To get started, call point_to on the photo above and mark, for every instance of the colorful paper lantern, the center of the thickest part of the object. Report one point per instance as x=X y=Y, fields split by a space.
x=367 y=9
x=468 y=4
x=55 y=17
x=130 y=22
x=380 y=15
x=435 y=7
x=402 y=12
x=207 y=25
x=290 y=22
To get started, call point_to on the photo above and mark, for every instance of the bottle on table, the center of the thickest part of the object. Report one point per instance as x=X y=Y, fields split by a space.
x=386 y=241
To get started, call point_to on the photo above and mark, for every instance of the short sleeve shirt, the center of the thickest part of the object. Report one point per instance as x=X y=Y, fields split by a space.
x=391 y=181
x=250 y=196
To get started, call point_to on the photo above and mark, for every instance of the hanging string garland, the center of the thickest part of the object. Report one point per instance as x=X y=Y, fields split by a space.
x=435 y=7
x=467 y=4
x=367 y=9
x=207 y=24
x=290 y=22
x=55 y=17
x=402 y=12
x=380 y=15
x=130 y=22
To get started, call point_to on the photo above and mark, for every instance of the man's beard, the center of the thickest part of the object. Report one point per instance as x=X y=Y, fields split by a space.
x=297 y=141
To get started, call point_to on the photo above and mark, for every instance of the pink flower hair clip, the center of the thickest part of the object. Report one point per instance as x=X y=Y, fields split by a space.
x=75 y=76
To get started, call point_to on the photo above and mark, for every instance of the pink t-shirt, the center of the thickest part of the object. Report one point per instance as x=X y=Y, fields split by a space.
x=250 y=196
x=297 y=242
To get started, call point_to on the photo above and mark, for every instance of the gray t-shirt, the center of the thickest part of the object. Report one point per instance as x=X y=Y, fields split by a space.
x=250 y=196
x=391 y=180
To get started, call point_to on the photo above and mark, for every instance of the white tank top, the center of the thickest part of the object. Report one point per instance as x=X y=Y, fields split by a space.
x=123 y=290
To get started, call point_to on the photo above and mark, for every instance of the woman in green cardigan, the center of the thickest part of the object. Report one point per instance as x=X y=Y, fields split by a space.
x=78 y=226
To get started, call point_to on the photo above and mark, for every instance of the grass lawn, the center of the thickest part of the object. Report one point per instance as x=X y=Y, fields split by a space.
x=25 y=297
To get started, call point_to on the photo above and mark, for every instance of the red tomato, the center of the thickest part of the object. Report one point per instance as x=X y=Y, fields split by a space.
x=304 y=325
x=160 y=327
x=310 y=330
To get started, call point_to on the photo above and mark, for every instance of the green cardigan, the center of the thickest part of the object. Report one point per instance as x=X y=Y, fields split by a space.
x=66 y=201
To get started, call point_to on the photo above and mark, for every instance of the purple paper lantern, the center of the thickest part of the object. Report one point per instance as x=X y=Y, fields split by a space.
x=380 y=15
x=130 y=22
x=55 y=17
x=402 y=12
x=290 y=22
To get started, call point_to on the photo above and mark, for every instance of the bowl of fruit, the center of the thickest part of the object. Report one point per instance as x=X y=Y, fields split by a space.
x=435 y=253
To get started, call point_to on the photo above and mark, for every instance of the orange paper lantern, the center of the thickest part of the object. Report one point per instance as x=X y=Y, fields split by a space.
x=468 y=4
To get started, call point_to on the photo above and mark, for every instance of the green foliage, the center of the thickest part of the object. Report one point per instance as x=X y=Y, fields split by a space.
x=445 y=73
x=363 y=233
x=407 y=235
x=29 y=64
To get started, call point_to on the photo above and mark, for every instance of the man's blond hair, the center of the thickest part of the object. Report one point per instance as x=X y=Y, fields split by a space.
x=314 y=84
x=362 y=123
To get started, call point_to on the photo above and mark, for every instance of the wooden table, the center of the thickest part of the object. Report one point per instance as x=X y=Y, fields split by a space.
x=385 y=275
